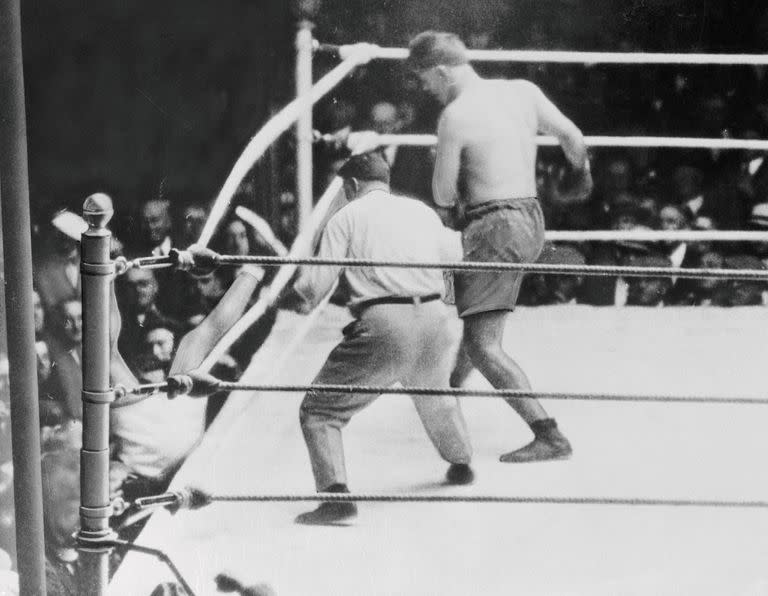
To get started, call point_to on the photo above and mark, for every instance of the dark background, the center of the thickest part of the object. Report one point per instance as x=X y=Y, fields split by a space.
x=144 y=98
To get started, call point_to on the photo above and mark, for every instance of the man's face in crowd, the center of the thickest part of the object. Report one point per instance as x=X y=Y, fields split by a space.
x=156 y=218
x=646 y=291
x=672 y=219
x=144 y=286
x=160 y=343
x=73 y=320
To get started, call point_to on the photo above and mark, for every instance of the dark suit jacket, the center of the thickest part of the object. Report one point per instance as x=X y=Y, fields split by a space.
x=67 y=366
x=52 y=283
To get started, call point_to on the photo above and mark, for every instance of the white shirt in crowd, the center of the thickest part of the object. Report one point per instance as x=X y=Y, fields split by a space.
x=155 y=435
x=382 y=226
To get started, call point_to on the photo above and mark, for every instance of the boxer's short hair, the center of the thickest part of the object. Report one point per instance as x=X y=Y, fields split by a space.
x=435 y=48
x=367 y=166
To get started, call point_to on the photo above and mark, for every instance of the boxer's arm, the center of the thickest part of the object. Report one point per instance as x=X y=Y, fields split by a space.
x=578 y=182
x=445 y=180
x=198 y=343
x=553 y=122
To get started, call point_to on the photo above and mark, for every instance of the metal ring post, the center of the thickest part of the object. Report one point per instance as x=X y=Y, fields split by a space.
x=16 y=238
x=95 y=509
x=304 y=122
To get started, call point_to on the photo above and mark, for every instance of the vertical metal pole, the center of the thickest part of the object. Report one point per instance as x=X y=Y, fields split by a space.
x=304 y=123
x=17 y=245
x=95 y=509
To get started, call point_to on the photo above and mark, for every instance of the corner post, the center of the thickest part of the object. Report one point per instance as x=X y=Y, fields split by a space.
x=95 y=508
x=304 y=52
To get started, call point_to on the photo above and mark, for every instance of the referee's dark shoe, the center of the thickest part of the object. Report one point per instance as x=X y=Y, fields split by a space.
x=331 y=513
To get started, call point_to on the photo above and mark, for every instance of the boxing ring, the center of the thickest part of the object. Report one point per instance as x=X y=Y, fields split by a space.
x=664 y=494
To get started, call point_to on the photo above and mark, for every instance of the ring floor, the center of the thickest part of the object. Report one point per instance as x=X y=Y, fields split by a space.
x=675 y=451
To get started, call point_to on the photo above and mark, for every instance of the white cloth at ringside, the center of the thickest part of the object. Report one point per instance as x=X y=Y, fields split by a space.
x=155 y=435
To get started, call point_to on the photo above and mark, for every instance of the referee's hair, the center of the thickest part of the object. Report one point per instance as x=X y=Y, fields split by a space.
x=370 y=166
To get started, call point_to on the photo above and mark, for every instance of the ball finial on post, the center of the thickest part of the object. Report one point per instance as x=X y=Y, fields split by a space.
x=97 y=210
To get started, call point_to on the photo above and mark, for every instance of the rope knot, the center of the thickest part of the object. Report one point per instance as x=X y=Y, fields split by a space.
x=199 y=261
x=195 y=384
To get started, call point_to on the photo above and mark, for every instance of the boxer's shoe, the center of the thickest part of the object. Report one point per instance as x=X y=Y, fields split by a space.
x=460 y=474
x=549 y=444
x=332 y=513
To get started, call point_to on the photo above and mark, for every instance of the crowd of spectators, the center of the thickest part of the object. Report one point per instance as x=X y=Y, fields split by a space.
x=158 y=307
x=636 y=188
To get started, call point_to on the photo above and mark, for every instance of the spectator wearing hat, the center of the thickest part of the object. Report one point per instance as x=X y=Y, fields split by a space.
x=57 y=273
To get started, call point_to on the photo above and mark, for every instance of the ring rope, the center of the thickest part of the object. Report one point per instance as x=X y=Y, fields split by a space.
x=160 y=262
x=598 y=270
x=270 y=132
x=496 y=393
x=533 y=500
x=199 y=385
x=563 y=56
x=424 y=140
x=657 y=236
x=269 y=296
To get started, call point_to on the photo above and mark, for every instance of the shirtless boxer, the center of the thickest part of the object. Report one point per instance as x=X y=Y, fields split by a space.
x=485 y=168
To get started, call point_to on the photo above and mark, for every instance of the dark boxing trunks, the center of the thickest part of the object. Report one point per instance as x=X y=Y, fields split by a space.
x=507 y=231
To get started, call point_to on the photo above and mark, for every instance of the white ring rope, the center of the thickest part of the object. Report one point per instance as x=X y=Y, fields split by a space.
x=270 y=132
x=425 y=140
x=656 y=236
x=301 y=247
x=564 y=56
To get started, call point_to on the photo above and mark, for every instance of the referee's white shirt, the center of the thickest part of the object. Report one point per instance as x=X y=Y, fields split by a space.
x=381 y=226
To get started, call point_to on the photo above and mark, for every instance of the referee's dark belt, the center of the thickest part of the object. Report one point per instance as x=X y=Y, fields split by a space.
x=395 y=300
